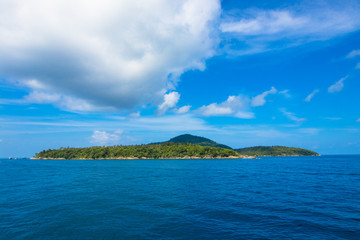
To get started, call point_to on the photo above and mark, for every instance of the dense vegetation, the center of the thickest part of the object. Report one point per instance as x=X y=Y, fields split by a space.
x=275 y=151
x=152 y=151
x=183 y=146
x=188 y=138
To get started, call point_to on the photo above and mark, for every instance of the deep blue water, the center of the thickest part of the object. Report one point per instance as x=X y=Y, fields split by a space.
x=267 y=198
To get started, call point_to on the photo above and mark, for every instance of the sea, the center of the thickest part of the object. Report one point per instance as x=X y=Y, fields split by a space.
x=265 y=198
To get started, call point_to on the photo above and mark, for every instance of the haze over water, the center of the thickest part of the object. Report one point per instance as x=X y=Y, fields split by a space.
x=266 y=198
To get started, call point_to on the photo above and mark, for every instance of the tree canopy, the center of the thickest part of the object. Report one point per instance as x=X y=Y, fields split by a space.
x=275 y=151
x=183 y=146
x=202 y=141
x=151 y=151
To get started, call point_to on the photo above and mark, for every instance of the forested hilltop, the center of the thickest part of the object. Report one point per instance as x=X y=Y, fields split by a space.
x=151 y=151
x=275 y=151
x=188 y=138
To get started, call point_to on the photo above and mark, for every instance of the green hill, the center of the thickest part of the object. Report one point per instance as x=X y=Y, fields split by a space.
x=153 y=151
x=183 y=146
x=275 y=151
x=188 y=138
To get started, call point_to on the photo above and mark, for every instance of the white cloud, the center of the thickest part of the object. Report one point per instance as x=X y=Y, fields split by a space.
x=236 y=106
x=265 y=23
x=338 y=86
x=259 y=100
x=108 y=53
x=215 y=109
x=262 y=30
x=170 y=101
x=183 y=109
x=245 y=115
x=292 y=116
x=42 y=97
x=33 y=84
x=103 y=137
x=64 y=102
x=353 y=54
x=311 y=95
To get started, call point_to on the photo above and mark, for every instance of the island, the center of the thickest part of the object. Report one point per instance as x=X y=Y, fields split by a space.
x=275 y=151
x=150 y=151
x=185 y=146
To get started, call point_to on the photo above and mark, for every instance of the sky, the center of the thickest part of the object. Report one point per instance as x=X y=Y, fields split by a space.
x=243 y=73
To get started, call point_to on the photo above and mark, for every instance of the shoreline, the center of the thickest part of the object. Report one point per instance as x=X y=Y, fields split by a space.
x=172 y=158
x=144 y=158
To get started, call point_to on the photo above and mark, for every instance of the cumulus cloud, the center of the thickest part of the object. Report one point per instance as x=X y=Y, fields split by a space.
x=215 y=109
x=311 y=95
x=183 y=109
x=236 y=106
x=262 y=30
x=108 y=53
x=338 y=86
x=292 y=116
x=103 y=137
x=170 y=101
x=259 y=100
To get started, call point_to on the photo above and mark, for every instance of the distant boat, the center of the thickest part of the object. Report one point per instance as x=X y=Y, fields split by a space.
x=10 y=158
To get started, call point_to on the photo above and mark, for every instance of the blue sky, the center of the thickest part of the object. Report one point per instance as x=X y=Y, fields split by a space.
x=243 y=73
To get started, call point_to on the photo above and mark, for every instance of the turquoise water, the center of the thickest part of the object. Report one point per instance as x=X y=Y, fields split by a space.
x=267 y=198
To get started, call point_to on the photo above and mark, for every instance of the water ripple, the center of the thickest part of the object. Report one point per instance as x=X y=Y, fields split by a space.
x=268 y=198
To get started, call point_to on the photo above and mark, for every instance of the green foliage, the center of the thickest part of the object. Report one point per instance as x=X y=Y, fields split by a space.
x=152 y=151
x=275 y=151
x=183 y=146
x=188 y=138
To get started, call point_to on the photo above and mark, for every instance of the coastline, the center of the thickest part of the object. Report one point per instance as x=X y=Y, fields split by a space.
x=144 y=158
x=170 y=158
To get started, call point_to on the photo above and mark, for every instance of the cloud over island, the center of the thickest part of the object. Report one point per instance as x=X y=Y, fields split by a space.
x=113 y=55
x=118 y=54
